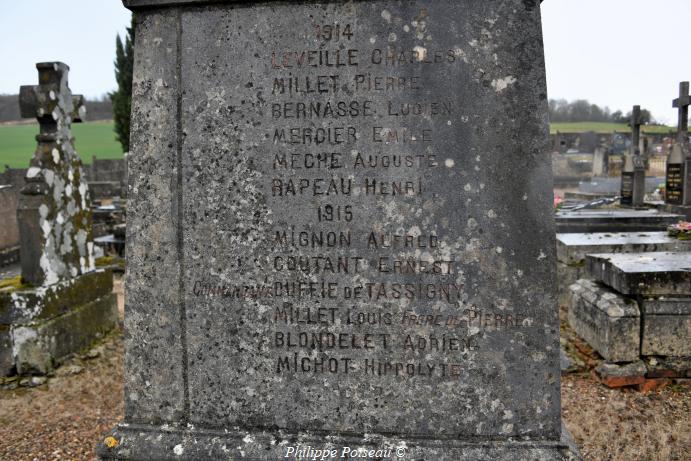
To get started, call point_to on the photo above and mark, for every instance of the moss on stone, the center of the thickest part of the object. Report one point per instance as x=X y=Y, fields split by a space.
x=13 y=284
x=105 y=261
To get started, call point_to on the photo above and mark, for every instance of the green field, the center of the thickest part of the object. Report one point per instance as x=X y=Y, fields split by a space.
x=603 y=127
x=18 y=143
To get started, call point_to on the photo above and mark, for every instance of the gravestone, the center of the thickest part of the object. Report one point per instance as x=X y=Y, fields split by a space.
x=633 y=171
x=657 y=273
x=9 y=230
x=613 y=220
x=677 y=188
x=601 y=161
x=573 y=248
x=62 y=303
x=588 y=142
x=619 y=143
x=635 y=310
x=335 y=210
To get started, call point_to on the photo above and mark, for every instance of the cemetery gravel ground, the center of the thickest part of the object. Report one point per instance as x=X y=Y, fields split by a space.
x=625 y=425
x=65 y=418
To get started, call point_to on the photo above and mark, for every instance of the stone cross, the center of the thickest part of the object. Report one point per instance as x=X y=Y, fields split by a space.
x=635 y=130
x=674 y=175
x=633 y=172
x=54 y=208
x=682 y=103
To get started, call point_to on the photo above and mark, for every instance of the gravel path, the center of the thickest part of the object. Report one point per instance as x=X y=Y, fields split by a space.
x=65 y=418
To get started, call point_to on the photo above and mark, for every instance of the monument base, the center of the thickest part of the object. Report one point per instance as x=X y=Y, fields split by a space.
x=144 y=442
x=40 y=326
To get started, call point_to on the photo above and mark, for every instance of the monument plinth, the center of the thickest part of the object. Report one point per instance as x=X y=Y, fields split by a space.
x=340 y=233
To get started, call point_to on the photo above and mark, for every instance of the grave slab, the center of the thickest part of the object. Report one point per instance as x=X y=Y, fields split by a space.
x=573 y=248
x=586 y=221
x=648 y=274
x=313 y=259
x=666 y=328
x=611 y=186
x=682 y=210
x=609 y=322
x=44 y=325
x=39 y=348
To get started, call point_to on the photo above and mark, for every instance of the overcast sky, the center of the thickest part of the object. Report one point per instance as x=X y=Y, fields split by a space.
x=615 y=53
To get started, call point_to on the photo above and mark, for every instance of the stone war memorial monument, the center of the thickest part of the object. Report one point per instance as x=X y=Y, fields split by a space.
x=62 y=303
x=340 y=234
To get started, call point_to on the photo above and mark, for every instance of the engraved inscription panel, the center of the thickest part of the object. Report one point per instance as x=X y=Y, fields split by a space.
x=627 y=188
x=674 y=184
x=368 y=243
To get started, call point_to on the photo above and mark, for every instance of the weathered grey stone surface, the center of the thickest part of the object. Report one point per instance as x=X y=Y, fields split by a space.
x=666 y=327
x=39 y=327
x=633 y=172
x=683 y=211
x=625 y=370
x=609 y=322
x=62 y=303
x=647 y=274
x=567 y=275
x=411 y=323
x=611 y=186
x=613 y=221
x=9 y=230
x=564 y=361
x=29 y=304
x=668 y=367
x=6 y=358
x=678 y=176
x=154 y=334
x=54 y=207
x=573 y=248
x=40 y=347
x=601 y=161
x=173 y=444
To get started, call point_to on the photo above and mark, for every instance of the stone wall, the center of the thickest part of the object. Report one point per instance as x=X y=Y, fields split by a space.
x=14 y=177
x=9 y=231
x=107 y=177
x=107 y=170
